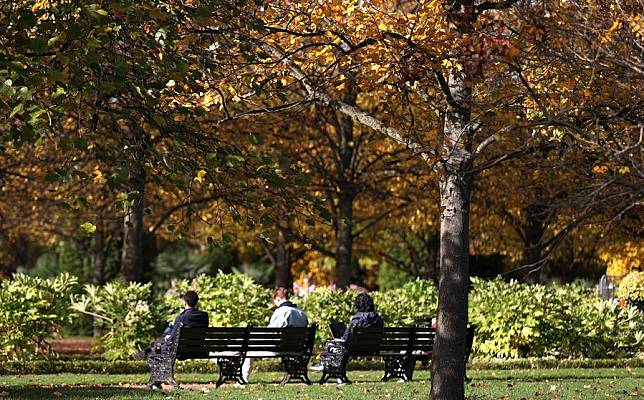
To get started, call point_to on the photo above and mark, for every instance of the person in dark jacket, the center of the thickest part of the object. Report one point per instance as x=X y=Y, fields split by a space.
x=190 y=317
x=365 y=315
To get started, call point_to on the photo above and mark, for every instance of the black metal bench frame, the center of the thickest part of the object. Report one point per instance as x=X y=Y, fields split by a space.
x=230 y=347
x=399 y=348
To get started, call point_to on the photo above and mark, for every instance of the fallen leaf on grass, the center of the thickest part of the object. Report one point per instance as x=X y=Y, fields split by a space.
x=57 y=394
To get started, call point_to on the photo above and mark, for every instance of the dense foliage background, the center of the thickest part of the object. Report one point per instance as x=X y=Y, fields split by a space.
x=513 y=320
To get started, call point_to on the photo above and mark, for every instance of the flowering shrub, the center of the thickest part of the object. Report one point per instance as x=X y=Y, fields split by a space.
x=126 y=314
x=30 y=309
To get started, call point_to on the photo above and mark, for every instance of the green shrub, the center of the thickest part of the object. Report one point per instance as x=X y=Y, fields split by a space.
x=631 y=289
x=519 y=320
x=325 y=306
x=30 y=310
x=124 y=312
x=414 y=303
x=229 y=300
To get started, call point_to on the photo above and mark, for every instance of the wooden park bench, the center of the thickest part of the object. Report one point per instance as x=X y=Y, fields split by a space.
x=229 y=347
x=399 y=348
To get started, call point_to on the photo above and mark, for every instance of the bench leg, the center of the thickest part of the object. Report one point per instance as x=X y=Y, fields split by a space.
x=161 y=369
x=230 y=369
x=296 y=367
x=338 y=371
x=401 y=367
x=173 y=382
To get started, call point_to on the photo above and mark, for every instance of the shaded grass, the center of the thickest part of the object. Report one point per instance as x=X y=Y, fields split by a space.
x=618 y=383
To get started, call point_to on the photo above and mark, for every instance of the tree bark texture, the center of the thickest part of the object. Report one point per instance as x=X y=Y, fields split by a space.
x=533 y=230
x=132 y=252
x=448 y=358
x=344 y=242
x=346 y=191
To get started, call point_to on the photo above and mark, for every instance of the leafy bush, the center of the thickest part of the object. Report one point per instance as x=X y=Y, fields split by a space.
x=631 y=289
x=414 y=303
x=324 y=306
x=30 y=310
x=518 y=320
x=124 y=312
x=229 y=300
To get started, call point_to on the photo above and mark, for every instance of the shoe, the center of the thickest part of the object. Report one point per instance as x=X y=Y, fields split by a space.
x=139 y=355
x=155 y=386
x=239 y=385
x=340 y=382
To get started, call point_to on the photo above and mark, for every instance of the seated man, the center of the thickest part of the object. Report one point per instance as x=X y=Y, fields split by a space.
x=190 y=317
x=285 y=315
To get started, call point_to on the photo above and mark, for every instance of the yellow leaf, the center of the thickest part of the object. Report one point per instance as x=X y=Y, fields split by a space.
x=39 y=4
x=200 y=176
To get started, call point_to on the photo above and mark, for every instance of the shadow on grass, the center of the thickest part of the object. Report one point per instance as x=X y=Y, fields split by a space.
x=114 y=393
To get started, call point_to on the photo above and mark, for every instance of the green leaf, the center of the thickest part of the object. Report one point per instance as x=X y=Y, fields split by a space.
x=88 y=227
x=17 y=109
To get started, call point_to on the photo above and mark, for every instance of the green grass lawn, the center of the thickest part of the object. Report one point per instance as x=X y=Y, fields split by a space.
x=586 y=384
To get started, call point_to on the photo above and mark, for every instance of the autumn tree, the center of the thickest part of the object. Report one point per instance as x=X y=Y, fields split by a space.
x=452 y=78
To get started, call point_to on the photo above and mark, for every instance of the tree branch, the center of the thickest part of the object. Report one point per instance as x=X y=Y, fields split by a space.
x=345 y=108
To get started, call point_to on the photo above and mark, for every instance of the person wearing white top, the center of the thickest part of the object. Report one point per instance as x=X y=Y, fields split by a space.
x=285 y=315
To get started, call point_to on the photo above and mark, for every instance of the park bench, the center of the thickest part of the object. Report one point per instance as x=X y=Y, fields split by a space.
x=230 y=346
x=399 y=348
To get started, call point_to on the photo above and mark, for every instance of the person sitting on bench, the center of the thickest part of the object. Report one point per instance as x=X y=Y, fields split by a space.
x=285 y=315
x=189 y=317
x=365 y=315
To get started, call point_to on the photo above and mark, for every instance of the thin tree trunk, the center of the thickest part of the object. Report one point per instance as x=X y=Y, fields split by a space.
x=132 y=254
x=98 y=254
x=533 y=231
x=344 y=243
x=448 y=358
x=432 y=244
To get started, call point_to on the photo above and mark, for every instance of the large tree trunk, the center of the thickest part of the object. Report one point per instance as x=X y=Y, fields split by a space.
x=448 y=358
x=283 y=276
x=346 y=190
x=344 y=242
x=132 y=254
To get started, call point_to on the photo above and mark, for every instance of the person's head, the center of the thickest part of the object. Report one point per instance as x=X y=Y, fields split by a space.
x=280 y=295
x=363 y=303
x=190 y=299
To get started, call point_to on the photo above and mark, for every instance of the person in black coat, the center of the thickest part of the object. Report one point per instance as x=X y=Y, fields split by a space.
x=365 y=315
x=190 y=317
